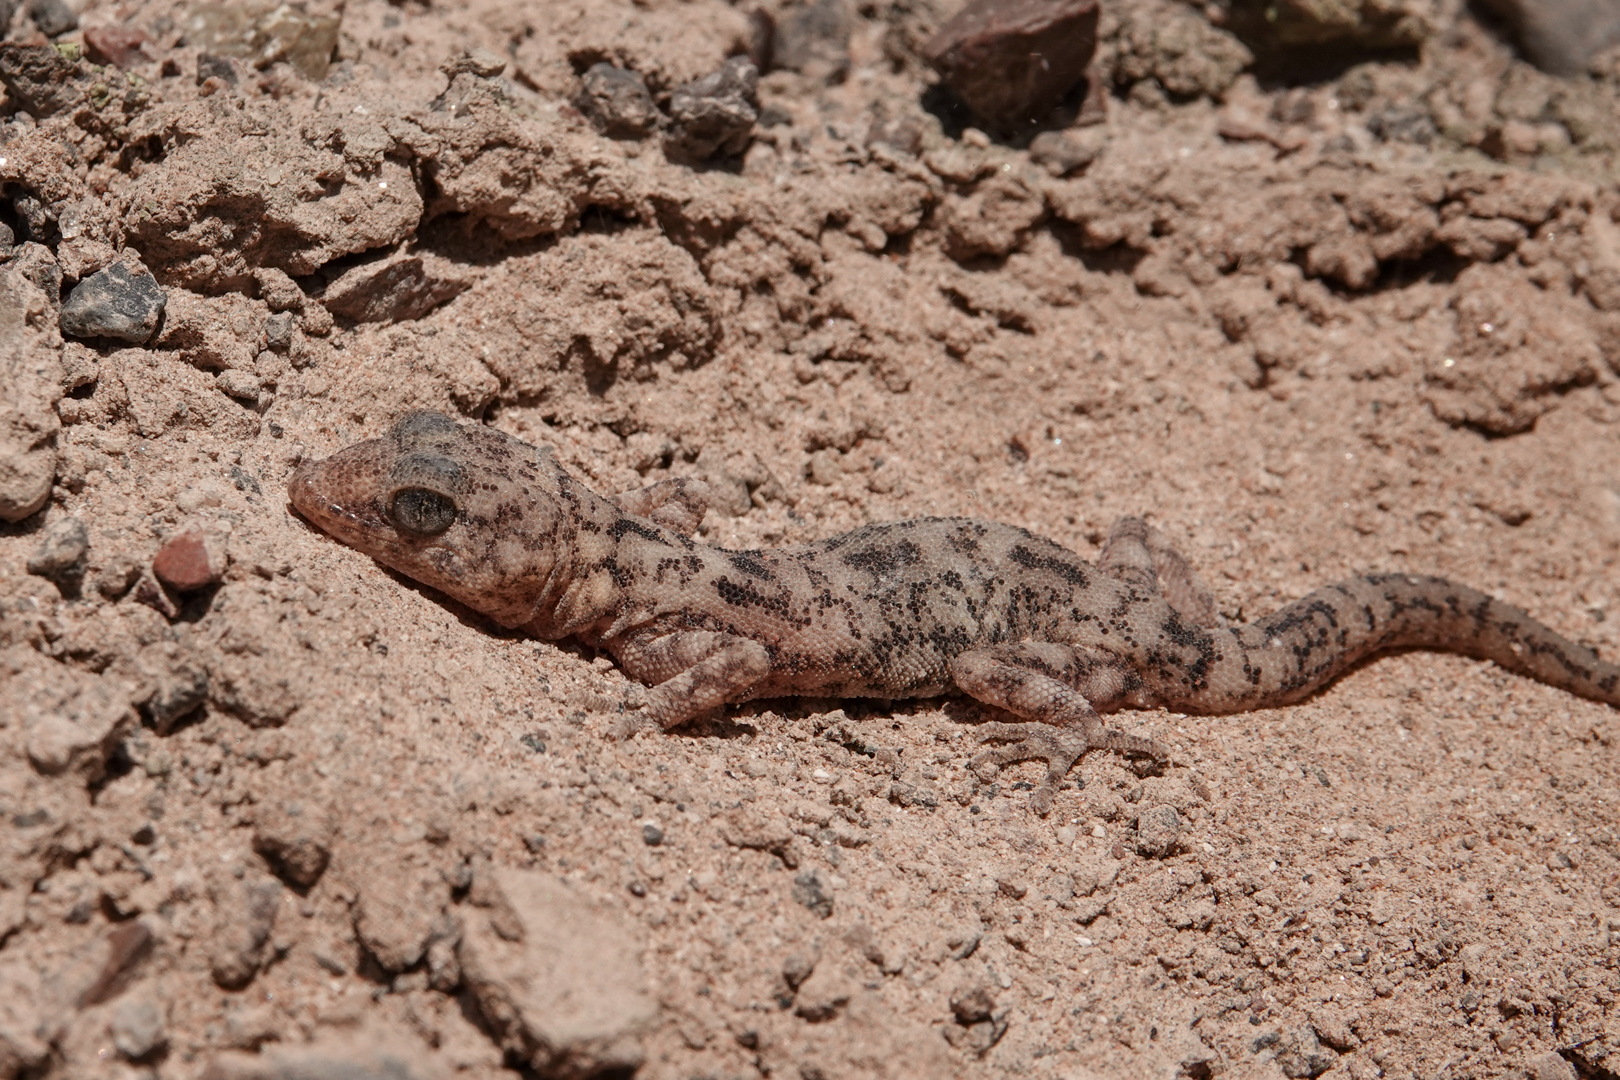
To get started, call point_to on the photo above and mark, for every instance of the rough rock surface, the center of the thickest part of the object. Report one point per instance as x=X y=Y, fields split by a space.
x=115 y=303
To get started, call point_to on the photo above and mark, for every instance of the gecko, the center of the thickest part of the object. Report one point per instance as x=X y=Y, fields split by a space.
x=915 y=608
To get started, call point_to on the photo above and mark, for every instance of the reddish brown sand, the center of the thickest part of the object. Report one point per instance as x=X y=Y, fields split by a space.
x=1299 y=350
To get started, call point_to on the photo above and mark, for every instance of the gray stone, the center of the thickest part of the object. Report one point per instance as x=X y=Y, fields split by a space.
x=1561 y=36
x=114 y=303
x=1301 y=1056
x=61 y=549
x=137 y=1028
x=278 y=331
x=813 y=39
x=556 y=977
x=53 y=17
x=616 y=102
x=714 y=116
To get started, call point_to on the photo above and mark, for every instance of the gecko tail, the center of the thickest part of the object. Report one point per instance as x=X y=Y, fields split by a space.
x=1311 y=641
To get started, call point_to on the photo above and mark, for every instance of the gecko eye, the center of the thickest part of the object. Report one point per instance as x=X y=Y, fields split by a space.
x=421 y=512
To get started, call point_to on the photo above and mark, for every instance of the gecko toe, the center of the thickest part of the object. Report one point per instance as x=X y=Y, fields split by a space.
x=1058 y=747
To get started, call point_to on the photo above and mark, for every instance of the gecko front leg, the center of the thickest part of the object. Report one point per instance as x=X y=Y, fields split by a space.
x=692 y=671
x=678 y=503
x=1037 y=680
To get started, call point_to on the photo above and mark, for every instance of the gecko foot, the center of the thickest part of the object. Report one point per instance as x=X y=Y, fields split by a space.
x=1059 y=747
x=633 y=722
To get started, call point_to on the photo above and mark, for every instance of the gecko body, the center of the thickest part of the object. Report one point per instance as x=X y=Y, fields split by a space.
x=906 y=609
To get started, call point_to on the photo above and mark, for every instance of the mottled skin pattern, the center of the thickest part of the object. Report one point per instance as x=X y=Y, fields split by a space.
x=908 y=609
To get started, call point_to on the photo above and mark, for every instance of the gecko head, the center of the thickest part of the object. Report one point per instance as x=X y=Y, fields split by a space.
x=466 y=509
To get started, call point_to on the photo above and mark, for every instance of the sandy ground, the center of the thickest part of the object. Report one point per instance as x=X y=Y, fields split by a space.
x=308 y=812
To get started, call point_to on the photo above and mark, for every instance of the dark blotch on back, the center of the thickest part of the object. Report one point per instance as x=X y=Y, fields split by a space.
x=748 y=562
x=883 y=561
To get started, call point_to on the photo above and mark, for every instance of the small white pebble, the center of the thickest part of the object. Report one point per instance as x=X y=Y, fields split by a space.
x=822 y=776
x=1098 y=831
x=1083 y=941
x=1210 y=848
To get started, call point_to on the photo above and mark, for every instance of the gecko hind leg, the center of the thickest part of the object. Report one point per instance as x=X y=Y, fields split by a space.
x=1137 y=553
x=1036 y=680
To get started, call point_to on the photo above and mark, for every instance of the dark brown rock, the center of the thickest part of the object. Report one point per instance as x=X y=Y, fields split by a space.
x=616 y=102
x=1013 y=61
x=190 y=561
x=714 y=116
x=120 y=46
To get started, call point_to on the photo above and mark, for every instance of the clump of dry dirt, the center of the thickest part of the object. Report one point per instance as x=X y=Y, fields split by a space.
x=271 y=811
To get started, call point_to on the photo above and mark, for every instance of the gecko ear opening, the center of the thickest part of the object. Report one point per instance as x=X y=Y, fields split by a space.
x=420 y=512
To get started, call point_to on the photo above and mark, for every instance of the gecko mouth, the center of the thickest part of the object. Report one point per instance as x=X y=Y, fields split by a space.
x=313 y=502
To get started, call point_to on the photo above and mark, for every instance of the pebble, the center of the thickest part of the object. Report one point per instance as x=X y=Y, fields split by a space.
x=1549 y=1066
x=117 y=303
x=755 y=768
x=137 y=1028
x=714 y=116
x=296 y=838
x=1062 y=152
x=278 y=331
x=1015 y=888
x=652 y=835
x=62 y=548
x=616 y=102
x=1013 y=61
x=190 y=561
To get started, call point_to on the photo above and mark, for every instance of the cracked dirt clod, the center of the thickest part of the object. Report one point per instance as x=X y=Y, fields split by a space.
x=557 y=979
